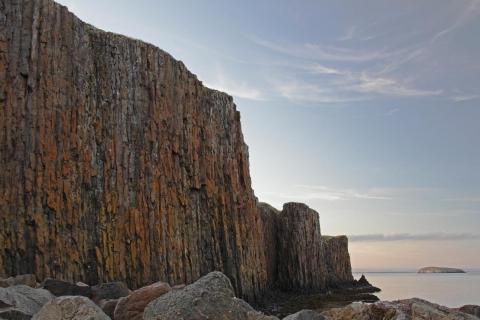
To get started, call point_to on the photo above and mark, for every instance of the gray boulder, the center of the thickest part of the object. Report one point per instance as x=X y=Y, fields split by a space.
x=305 y=315
x=71 y=308
x=22 y=302
x=211 y=297
x=25 y=279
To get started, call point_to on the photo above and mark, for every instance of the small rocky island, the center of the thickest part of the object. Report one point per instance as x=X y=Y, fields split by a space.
x=440 y=270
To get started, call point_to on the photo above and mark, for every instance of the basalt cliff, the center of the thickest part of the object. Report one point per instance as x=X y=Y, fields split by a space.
x=116 y=163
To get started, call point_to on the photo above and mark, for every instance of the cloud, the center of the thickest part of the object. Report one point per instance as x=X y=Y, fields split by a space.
x=316 y=51
x=392 y=111
x=308 y=192
x=387 y=86
x=469 y=11
x=239 y=89
x=437 y=236
x=463 y=98
x=297 y=91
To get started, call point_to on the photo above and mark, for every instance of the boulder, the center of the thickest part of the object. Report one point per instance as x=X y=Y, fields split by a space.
x=305 y=315
x=132 y=306
x=108 y=306
x=471 y=309
x=71 y=308
x=210 y=297
x=410 y=309
x=64 y=288
x=25 y=279
x=22 y=302
x=109 y=290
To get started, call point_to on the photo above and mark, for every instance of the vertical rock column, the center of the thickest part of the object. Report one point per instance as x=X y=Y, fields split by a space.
x=300 y=263
x=337 y=260
x=269 y=216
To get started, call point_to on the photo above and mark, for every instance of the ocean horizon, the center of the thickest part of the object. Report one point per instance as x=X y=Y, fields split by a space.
x=448 y=289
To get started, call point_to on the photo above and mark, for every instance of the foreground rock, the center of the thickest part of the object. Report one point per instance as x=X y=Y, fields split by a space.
x=305 y=315
x=411 y=309
x=211 y=297
x=71 y=308
x=64 y=288
x=22 y=302
x=471 y=309
x=440 y=270
x=25 y=279
x=133 y=306
x=109 y=291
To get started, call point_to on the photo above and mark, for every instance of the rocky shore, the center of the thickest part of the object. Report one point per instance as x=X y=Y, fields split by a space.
x=210 y=297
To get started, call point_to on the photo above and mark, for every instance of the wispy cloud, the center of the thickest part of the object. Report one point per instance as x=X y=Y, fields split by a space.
x=320 y=52
x=239 y=89
x=463 y=98
x=471 y=9
x=437 y=236
x=391 y=112
x=308 y=192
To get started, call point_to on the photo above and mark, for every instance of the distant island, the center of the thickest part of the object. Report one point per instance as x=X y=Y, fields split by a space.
x=440 y=270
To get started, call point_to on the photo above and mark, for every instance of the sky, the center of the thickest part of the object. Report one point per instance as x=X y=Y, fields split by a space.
x=367 y=111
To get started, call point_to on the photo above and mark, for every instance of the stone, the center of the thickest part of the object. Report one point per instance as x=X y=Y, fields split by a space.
x=25 y=279
x=71 y=308
x=64 y=288
x=108 y=306
x=210 y=297
x=301 y=266
x=132 y=306
x=109 y=290
x=409 y=309
x=337 y=260
x=305 y=315
x=471 y=309
x=127 y=166
x=22 y=302
x=269 y=216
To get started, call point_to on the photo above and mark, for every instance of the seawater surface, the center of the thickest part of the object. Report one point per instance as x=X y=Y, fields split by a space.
x=448 y=289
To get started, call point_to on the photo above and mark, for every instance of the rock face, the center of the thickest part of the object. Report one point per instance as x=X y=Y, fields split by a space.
x=337 y=260
x=410 y=309
x=211 y=297
x=301 y=266
x=71 y=308
x=116 y=162
x=440 y=270
x=22 y=302
x=269 y=216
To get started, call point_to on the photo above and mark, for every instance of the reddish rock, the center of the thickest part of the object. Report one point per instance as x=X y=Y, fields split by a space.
x=132 y=306
x=116 y=162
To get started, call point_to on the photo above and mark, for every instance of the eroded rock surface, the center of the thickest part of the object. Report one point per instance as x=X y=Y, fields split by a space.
x=132 y=306
x=116 y=162
x=305 y=315
x=22 y=302
x=410 y=309
x=211 y=297
x=301 y=266
x=337 y=260
x=71 y=308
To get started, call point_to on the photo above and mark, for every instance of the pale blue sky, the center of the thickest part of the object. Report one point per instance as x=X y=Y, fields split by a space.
x=368 y=111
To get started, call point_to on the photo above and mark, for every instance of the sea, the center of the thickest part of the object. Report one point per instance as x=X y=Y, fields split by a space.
x=448 y=289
